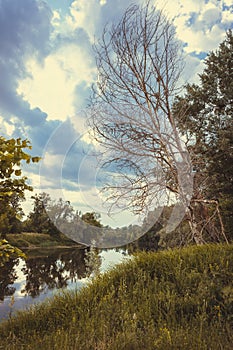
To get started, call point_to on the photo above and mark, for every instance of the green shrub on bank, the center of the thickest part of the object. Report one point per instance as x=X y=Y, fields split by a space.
x=177 y=299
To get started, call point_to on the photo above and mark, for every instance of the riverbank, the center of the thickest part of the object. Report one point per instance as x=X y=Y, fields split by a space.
x=180 y=299
x=30 y=240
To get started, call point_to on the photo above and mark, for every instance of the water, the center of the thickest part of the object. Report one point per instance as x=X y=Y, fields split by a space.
x=23 y=283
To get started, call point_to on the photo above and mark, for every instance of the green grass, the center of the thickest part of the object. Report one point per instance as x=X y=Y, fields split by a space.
x=35 y=240
x=177 y=299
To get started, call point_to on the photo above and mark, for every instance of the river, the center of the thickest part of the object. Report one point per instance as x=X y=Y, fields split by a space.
x=43 y=273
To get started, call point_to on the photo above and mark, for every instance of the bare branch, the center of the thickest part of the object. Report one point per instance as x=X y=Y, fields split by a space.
x=139 y=64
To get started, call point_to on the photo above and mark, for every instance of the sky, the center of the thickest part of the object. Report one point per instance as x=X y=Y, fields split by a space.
x=47 y=69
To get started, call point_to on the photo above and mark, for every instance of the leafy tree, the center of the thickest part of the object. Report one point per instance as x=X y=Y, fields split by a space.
x=60 y=212
x=38 y=219
x=91 y=219
x=56 y=217
x=12 y=183
x=205 y=116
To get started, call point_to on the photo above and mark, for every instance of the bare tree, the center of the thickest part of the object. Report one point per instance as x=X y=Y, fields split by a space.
x=139 y=63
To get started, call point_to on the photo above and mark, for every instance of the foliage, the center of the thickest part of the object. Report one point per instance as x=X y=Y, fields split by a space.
x=44 y=269
x=12 y=183
x=205 y=116
x=91 y=219
x=38 y=219
x=92 y=262
x=159 y=237
x=58 y=217
x=8 y=252
x=152 y=240
x=154 y=301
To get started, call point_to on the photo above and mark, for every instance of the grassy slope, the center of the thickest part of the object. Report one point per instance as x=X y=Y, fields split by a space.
x=180 y=299
x=35 y=240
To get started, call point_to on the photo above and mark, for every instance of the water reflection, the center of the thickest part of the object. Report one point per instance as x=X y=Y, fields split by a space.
x=23 y=283
x=42 y=273
x=53 y=271
x=8 y=275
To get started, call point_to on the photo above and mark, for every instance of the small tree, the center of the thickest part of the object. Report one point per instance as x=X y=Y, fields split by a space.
x=12 y=184
x=46 y=213
x=38 y=220
x=139 y=63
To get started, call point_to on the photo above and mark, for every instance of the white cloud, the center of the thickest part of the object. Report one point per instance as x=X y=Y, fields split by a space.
x=199 y=24
x=6 y=129
x=52 y=86
x=34 y=179
x=9 y=128
x=177 y=8
x=85 y=14
x=53 y=160
x=227 y=17
x=76 y=63
x=227 y=2
x=56 y=19
x=56 y=16
x=49 y=88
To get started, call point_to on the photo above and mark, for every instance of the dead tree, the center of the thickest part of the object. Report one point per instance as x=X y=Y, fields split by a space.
x=139 y=62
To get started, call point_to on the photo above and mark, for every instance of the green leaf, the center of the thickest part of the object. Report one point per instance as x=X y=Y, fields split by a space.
x=18 y=172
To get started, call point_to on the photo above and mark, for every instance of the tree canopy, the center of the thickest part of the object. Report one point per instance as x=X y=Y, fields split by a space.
x=49 y=215
x=12 y=184
x=205 y=116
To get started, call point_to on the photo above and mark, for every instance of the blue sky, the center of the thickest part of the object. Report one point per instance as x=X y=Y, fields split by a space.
x=47 y=69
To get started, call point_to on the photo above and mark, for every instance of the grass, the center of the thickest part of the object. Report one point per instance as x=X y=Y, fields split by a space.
x=177 y=299
x=31 y=240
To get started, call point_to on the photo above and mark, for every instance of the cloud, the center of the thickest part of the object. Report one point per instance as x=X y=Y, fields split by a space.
x=84 y=14
x=48 y=87
x=211 y=16
x=40 y=134
x=24 y=32
x=62 y=154
x=47 y=67
x=227 y=18
x=193 y=67
x=62 y=84
x=201 y=25
x=227 y=3
x=93 y=15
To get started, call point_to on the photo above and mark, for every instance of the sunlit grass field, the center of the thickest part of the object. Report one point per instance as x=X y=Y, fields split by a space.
x=176 y=299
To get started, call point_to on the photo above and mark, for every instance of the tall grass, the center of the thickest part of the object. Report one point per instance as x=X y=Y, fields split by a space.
x=178 y=299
